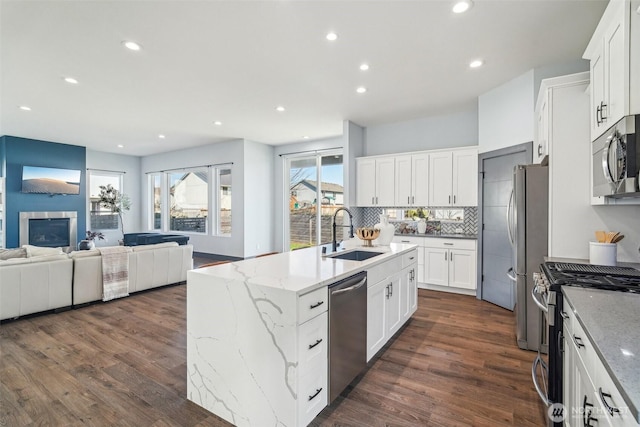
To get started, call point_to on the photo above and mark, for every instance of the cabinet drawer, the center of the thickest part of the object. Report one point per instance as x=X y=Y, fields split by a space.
x=381 y=271
x=406 y=239
x=467 y=244
x=617 y=411
x=312 y=344
x=312 y=304
x=312 y=395
x=584 y=348
x=410 y=258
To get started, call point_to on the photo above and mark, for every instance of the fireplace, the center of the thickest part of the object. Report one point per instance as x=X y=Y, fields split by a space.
x=49 y=229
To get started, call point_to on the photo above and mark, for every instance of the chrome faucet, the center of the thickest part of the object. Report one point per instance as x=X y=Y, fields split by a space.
x=334 y=242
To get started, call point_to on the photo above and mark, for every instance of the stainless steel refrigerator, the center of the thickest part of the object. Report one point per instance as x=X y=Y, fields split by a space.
x=528 y=226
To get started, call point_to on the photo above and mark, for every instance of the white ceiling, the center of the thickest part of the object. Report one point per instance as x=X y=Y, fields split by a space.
x=235 y=61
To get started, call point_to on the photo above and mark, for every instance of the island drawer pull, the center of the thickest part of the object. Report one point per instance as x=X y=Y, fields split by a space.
x=318 y=304
x=578 y=341
x=412 y=258
x=318 y=390
x=564 y=315
x=608 y=407
x=318 y=341
x=448 y=244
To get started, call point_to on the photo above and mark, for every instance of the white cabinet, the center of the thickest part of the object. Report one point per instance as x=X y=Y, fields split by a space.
x=450 y=263
x=453 y=178
x=383 y=313
x=614 y=63
x=409 y=285
x=412 y=180
x=375 y=184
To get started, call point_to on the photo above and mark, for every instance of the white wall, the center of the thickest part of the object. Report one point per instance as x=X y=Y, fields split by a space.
x=258 y=198
x=223 y=152
x=428 y=133
x=353 y=138
x=505 y=114
x=131 y=166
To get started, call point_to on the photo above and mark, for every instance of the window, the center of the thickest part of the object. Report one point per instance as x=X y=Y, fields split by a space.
x=189 y=200
x=155 y=185
x=223 y=225
x=181 y=200
x=311 y=178
x=101 y=218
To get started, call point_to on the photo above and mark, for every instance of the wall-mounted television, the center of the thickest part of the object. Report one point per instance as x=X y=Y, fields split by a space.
x=41 y=180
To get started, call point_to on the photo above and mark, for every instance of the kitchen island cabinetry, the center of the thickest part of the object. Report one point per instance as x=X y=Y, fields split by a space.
x=257 y=331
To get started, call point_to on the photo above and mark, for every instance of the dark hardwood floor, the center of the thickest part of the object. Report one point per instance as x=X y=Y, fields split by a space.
x=123 y=363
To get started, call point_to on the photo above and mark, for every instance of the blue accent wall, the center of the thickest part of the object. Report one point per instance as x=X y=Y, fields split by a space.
x=20 y=152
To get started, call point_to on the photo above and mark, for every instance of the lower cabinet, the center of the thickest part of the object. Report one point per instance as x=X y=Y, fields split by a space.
x=392 y=298
x=590 y=396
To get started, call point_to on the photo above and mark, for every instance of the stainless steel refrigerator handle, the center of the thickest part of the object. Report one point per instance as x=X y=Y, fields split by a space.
x=537 y=361
x=512 y=277
x=350 y=288
x=538 y=303
x=509 y=218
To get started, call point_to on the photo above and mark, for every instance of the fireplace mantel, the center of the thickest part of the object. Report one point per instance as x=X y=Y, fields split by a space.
x=53 y=238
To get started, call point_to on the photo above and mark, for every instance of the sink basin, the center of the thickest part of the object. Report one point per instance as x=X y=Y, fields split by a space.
x=356 y=255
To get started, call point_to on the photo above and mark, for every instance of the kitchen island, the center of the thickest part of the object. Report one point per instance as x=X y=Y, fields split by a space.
x=257 y=329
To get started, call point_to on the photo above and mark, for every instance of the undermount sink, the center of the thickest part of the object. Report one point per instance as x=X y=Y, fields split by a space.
x=355 y=255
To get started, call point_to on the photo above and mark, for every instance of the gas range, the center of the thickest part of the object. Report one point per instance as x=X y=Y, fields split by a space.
x=624 y=279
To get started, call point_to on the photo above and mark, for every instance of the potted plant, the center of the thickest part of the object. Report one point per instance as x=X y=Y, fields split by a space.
x=115 y=201
x=88 y=242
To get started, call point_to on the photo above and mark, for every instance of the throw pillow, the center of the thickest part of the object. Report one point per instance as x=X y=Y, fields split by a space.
x=33 y=251
x=13 y=253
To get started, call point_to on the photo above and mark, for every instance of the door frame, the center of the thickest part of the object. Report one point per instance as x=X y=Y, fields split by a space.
x=526 y=147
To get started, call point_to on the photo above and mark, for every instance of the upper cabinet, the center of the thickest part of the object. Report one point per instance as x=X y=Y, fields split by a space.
x=453 y=178
x=614 y=56
x=433 y=178
x=412 y=177
x=375 y=181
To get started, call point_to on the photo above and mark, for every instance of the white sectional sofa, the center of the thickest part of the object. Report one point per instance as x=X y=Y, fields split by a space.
x=150 y=266
x=31 y=285
x=42 y=283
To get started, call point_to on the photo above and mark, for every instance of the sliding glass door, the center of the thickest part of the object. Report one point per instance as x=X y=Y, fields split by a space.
x=314 y=191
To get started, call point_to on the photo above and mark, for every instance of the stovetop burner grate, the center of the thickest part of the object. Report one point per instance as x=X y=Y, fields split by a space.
x=566 y=267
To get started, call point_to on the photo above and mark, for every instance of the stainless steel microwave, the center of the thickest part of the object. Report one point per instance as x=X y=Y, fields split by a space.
x=616 y=160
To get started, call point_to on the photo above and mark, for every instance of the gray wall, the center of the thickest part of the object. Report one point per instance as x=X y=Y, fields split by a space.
x=428 y=133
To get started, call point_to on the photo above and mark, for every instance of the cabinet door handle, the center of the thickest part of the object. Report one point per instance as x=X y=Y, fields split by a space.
x=539 y=150
x=318 y=390
x=405 y=241
x=387 y=295
x=411 y=258
x=564 y=315
x=413 y=199
x=598 y=113
x=391 y=289
x=454 y=199
x=578 y=341
x=408 y=200
x=318 y=304
x=586 y=414
x=373 y=200
x=603 y=106
x=449 y=199
x=318 y=341
x=376 y=200
x=445 y=256
x=608 y=407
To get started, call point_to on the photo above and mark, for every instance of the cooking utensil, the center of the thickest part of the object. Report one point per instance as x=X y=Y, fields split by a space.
x=600 y=236
x=618 y=238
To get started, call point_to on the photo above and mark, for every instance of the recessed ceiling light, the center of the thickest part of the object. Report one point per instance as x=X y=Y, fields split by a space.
x=332 y=36
x=462 y=6
x=71 y=80
x=120 y=146
x=24 y=108
x=161 y=136
x=217 y=123
x=305 y=137
x=361 y=89
x=475 y=64
x=280 y=108
x=364 y=67
x=131 y=45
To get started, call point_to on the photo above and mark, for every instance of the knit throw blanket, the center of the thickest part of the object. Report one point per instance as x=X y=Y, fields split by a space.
x=115 y=272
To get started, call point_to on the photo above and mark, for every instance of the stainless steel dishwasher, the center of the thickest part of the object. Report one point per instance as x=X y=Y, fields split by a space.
x=347 y=332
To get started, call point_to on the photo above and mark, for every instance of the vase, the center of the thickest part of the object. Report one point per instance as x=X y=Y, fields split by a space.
x=86 y=245
x=386 y=231
x=422 y=226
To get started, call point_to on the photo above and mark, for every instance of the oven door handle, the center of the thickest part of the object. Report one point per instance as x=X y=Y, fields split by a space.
x=534 y=369
x=537 y=301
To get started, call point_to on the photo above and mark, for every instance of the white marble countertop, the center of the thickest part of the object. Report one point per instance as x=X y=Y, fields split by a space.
x=612 y=321
x=303 y=270
x=440 y=236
